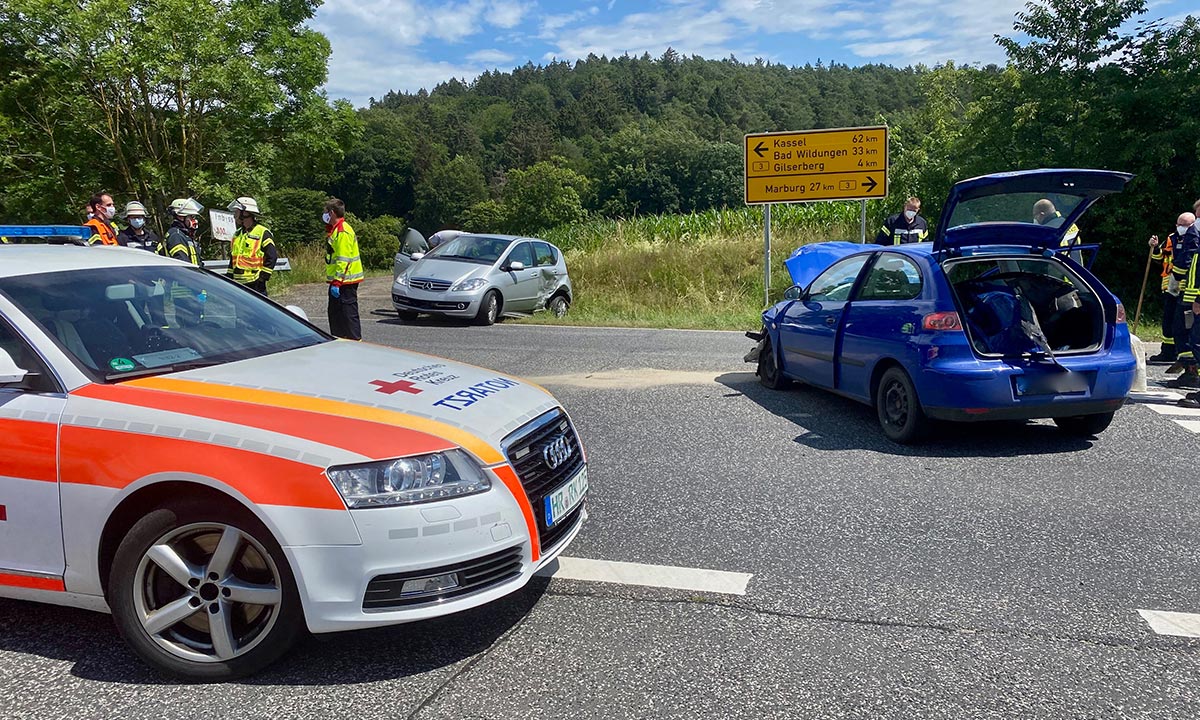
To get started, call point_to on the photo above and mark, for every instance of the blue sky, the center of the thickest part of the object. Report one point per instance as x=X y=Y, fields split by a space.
x=381 y=45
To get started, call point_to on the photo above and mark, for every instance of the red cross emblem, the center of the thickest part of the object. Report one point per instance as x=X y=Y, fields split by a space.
x=391 y=388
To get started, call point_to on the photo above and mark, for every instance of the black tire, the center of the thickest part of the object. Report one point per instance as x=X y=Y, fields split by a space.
x=768 y=370
x=558 y=305
x=899 y=409
x=203 y=594
x=1084 y=425
x=489 y=309
x=407 y=315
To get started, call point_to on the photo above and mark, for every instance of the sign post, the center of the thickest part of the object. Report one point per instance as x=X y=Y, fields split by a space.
x=863 y=222
x=810 y=165
x=767 y=255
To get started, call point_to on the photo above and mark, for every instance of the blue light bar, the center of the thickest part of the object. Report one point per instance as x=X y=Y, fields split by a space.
x=79 y=231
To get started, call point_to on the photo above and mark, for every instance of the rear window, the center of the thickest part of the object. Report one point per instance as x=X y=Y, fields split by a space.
x=1028 y=208
x=545 y=254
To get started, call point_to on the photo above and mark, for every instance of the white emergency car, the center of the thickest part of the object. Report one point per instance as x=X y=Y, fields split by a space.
x=220 y=475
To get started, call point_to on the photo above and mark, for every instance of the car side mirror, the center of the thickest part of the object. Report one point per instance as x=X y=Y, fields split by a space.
x=793 y=293
x=516 y=266
x=10 y=374
x=417 y=256
x=297 y=311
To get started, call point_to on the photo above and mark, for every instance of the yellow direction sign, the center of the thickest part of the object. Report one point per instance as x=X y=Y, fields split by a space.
x=841 y=164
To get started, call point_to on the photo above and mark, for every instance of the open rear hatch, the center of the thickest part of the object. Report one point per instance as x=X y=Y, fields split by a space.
x=997 y=237
x=1033 y=209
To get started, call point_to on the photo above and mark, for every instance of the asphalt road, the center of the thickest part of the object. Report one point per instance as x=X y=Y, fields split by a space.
x=996 y=572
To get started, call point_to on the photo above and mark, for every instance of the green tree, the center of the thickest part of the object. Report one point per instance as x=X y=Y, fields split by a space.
x=543 y=196
x=446 y=192
x=158 y=98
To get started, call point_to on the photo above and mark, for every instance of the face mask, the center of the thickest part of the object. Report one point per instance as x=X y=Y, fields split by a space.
x=1181 y=229
x=326 y=219
x=137 y=223
x=110 y=211
x=910 y=214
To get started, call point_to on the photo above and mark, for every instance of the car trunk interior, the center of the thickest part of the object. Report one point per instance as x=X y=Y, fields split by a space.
x=1018 y=306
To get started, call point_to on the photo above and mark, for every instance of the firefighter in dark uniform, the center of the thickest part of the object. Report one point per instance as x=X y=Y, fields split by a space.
x=904 y=227
x=181 y=244
x=1161 y=252
x=1183 y=260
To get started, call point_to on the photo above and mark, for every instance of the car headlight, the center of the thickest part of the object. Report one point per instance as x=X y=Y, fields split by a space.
x=410 y=480
x=402 y=279
x=469 y=285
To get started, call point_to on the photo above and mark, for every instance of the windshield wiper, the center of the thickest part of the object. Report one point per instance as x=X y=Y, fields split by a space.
x=162 y=370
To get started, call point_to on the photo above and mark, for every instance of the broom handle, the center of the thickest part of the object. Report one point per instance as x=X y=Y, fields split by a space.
x=1137 y=316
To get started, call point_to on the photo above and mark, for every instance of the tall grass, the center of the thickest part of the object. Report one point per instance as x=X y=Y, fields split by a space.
x=701 y=270
x=307 y=261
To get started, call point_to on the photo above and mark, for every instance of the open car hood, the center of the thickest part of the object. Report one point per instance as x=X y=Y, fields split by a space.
x=809 y=261
x=998 y=209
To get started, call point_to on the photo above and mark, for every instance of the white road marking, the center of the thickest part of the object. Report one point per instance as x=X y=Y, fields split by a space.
x=1175 y=410
x=659 y=576
x=1189 y=425
x=1178 y=624
x=1155 y=395
x=629 y=378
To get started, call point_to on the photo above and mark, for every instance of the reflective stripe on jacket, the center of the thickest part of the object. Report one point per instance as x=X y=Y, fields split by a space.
x=181 y=246
x=897 y=231
x=252 y=253
x=1162 y=253
x=103 y=233
x=343 y=265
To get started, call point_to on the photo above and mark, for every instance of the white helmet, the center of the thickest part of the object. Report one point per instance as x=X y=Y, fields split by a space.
x=184 y=207
x=245 y=204
x=134 y=209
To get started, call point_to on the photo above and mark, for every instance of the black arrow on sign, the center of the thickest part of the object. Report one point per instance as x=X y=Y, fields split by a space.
x=870 y=184
x=758 y=149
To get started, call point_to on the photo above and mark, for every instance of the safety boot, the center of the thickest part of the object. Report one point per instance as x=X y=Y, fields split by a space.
x=1175 y=368
x=1189 y=379
x=1162 y=358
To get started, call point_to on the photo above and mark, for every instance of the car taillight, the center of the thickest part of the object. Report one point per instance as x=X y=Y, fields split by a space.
x=1120 y=313
x=942 y=321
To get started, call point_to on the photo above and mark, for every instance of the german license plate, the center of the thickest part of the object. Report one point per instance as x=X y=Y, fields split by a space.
x=562 y=501
x=1058 y=383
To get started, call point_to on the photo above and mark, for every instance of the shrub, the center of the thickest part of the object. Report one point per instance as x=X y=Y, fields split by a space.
x=294 y=216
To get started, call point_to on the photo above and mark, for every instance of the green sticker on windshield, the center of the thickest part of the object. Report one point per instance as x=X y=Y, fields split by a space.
x=121 y=364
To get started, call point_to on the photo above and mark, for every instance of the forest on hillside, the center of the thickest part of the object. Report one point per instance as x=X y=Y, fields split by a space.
x=233 y=105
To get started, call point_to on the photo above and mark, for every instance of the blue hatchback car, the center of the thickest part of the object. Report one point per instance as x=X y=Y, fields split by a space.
x=995 y=319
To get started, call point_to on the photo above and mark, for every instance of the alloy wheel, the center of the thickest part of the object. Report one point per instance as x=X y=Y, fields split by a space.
x=895 y=404
x=207 y=592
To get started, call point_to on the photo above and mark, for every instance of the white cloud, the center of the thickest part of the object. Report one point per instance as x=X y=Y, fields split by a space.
x=492 y=57
x=408 y=44
x=506 y=13
x=688 y=29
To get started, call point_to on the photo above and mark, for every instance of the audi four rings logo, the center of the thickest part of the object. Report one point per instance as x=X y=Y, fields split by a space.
x=557 y=451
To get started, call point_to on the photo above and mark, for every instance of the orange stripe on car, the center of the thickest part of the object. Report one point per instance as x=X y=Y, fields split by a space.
x=509 y=477
x=30 y=449
x=114 y=458
x=373 y=439
x=32 y=582
x=486 y=453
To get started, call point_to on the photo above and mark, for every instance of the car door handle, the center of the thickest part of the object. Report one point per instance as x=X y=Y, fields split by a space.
x=830 y=320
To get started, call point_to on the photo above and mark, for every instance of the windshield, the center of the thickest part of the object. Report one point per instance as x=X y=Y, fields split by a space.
x=137 y=321
x=1022 y=207
x=471 y=248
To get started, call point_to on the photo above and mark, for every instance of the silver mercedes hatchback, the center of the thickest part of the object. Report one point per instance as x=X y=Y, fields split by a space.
x=484 y=277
